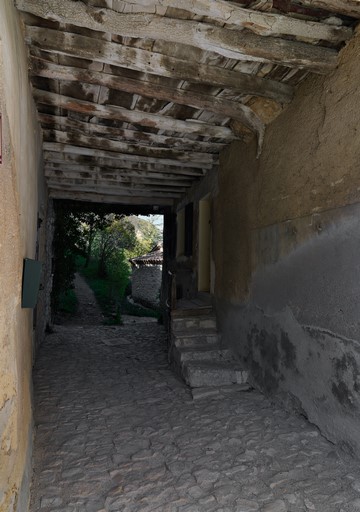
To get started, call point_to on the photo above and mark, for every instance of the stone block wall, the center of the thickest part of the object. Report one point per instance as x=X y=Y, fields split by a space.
x=146 y=284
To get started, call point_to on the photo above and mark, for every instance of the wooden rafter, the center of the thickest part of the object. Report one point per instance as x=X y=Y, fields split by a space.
x=218 y=105
x=144 y=61
x=142 y=138
x=228 y=43
x=117 y=198
x=121 y=190
x=346 y=7
x=90 y=151
x=124 y=148
x=146 y=119
x=261 y=23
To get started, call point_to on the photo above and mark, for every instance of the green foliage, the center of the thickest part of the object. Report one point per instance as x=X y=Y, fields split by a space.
x=68 y=302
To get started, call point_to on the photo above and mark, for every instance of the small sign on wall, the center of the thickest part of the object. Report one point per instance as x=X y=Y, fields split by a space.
x=30 y=283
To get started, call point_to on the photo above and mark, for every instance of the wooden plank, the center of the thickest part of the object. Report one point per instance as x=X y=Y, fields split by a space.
x=261 y=23
x=123 y=177
x=78 y=139
x=123 y=191
x=347 y=7
x=115 y=185
x=217 y=105
x=85 y=151
x=228 y=43
x=146 y=119
x=93 y=197
x=73 y=45
x=142 y=138
x=65 y=158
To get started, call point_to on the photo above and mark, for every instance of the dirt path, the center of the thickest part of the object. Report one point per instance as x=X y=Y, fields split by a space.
x=88 y=311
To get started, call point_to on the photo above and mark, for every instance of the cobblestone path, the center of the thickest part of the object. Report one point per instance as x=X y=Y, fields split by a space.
x=116 y=431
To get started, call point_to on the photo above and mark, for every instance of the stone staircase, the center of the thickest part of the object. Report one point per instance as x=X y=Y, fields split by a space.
x=199 y=358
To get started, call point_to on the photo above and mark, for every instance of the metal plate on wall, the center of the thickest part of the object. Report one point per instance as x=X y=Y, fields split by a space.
x=31 y=282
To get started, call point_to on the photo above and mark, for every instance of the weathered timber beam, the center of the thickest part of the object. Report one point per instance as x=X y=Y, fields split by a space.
x=144 y=61
x=228 y=43
x=78 y=139
x=347 y=7
x=95 y=172
x=86 y=151
x=126 y=192
x=65 y=158
x=261 y=23
x=140 y=137
x=118 y=177
x=221 y=106
x=132 y=116
x=92 y=197
x=115 y=185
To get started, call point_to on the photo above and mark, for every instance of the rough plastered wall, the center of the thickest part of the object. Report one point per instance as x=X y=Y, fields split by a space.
x=287 y=253
x=19 y=198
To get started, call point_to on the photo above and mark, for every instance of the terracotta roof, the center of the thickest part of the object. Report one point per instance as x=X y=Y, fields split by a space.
x=154 y=257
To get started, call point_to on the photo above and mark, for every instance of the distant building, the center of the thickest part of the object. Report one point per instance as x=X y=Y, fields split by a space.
x=146 y=276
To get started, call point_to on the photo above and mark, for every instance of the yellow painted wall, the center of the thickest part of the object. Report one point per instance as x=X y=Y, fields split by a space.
x=19 y=177
x=309 y=165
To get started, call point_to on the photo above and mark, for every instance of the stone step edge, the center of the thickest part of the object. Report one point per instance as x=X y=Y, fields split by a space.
x=220 y=392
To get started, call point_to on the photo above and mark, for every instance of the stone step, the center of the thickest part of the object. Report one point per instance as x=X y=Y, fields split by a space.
x=213 y=373
x=204 y=353
x=219 y=393
x=193 y=322
x=196 y=338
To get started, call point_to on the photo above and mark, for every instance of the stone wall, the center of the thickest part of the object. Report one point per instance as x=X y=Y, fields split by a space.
x=22 y=199
x=146 y=284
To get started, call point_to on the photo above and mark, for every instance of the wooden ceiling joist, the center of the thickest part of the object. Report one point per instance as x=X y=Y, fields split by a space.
x=90 y=151
x=93 y=197
x=65 y=123
x=111 y=178
x=124 y=148
x=218 y=105
x=346 y=7
x=228 y=43
x=147 y=119
x=261 y=23
x=64 y=159
x=106 y=189
x=136 y=98
x=144 y=61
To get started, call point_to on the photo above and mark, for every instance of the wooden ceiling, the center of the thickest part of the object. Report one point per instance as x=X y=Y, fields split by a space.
x=136 y=98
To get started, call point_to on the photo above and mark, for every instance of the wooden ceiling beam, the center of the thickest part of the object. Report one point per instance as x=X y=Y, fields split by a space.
x=217 y=105
x=103 y=189
x=65 y=123
x=146 y=119
x=78 y=139
x=116 y=185
x=144 y=61
x=346 y=7
x=118 y=177
x=88 y=162
x=261 y=23
x=97 y=153
x=222 y=41
x=94 y=197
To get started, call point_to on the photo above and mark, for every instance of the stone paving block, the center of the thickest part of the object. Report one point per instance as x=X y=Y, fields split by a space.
x=118 y=432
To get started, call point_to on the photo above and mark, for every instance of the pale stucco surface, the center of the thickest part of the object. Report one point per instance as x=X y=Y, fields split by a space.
x=287 y=248
x=19 y=176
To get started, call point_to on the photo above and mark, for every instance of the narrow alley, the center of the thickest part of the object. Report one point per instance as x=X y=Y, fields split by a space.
x=116 y=431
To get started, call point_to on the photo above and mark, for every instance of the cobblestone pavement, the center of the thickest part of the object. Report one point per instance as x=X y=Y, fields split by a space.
x=117 y=431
